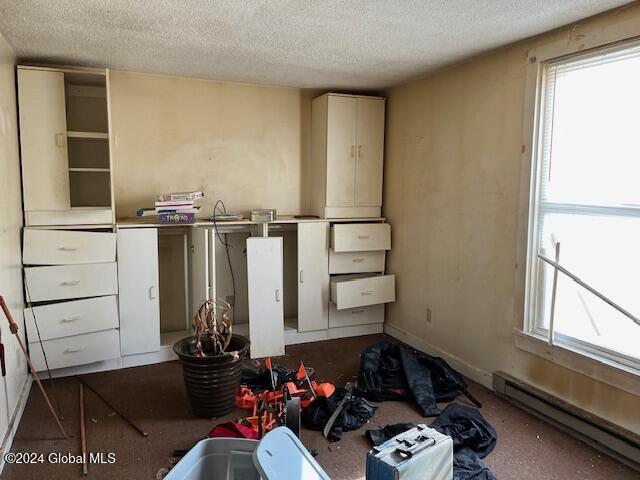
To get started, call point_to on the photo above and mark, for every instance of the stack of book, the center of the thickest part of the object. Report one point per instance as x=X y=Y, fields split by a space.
x=174 y=208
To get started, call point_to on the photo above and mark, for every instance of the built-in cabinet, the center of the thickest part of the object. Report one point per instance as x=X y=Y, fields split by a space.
x=65 y=146
x=93 y=285
x=313 y=276
x=71 y=288
x=266 y=304
x=138 y=284
x=347 y=151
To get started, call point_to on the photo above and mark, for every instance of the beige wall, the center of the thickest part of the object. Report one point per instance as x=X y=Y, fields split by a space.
x=244 y=144
x=452 y=194
x=12 y=385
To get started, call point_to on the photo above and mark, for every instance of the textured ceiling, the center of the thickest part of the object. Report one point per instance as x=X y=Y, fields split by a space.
x=350 y=44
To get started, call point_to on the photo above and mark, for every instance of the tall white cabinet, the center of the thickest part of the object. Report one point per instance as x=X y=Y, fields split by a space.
x=65 y=146
x=347 y=151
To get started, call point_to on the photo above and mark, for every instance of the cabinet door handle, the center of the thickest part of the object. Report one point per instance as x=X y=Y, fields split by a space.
x=277 y=295
x=359 y=150
x=73 y=318
x=70 y=283
x=366 y=293
x=60 y=137
x=355 y=312
x=67 y=249
x=353 y=151
x=152 y=292
x=301 y=277
x=74 y=349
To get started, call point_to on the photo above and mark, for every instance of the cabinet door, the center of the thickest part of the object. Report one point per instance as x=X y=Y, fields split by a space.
x=199 y=272
x=341 y=151
x=266 y=312
x=138 y=290
x=370 y=152
x=43 y=140
x=313 y=276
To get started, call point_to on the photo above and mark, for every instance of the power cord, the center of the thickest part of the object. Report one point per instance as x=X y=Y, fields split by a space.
x=225 y=242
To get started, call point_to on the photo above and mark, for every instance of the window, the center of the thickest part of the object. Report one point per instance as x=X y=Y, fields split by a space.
x=585 y=208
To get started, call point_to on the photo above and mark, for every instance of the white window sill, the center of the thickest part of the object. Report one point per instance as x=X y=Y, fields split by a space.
x=617 y=375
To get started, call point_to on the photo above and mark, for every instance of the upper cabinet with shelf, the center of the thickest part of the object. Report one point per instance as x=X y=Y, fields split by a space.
x=347 y=150
x=65 y=146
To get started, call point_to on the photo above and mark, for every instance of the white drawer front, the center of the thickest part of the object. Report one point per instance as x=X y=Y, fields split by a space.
x=71 y=281
x=352 y=291
x=76 y=350
x=72 y=318
x=355 y=316
x=356 y=262
x=63 y=247
x=360 y=237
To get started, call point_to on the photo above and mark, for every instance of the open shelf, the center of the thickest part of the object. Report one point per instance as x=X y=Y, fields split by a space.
x=73 y=169
x=167 y=339
x=94 y=135
x=291 y=324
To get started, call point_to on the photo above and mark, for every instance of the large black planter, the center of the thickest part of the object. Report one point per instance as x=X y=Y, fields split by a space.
x=211 y=381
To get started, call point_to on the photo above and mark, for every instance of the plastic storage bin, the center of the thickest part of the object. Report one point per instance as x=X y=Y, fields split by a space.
x=278 y=456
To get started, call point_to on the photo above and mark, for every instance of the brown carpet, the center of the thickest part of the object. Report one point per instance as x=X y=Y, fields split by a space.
x=155 y=398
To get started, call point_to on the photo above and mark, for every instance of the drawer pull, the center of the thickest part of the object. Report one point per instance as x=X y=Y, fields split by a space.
x=354 y=312
x=363 y=237
x=358 y=260
x=74 y=349
x=366 y=293
x=74 y=318
x=67 y=249
x=70 y=283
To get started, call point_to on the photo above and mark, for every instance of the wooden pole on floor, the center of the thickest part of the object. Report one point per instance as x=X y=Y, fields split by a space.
x=83 y=434
x=14 y=329
x=108 y=404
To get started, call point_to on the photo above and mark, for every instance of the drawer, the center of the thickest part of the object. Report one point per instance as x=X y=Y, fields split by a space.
x=360 y=237
x=356 y=262
x=63 y=247
x=71 y=318
x=350 y=291
x=70 y=281
x=76 y=350
x=355 y=316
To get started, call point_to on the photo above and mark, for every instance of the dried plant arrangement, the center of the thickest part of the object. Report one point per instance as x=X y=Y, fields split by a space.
x=213 y=326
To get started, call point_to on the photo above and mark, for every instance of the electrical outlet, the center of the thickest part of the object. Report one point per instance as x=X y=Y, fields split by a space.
x=428 y=315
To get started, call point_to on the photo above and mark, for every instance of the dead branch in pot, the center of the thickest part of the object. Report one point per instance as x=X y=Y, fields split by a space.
x=213 y=321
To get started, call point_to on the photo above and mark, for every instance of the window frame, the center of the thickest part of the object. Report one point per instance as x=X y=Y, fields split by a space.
x=539 y=60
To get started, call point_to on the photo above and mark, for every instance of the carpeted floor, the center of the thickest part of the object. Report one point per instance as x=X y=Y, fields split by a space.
x=155 y=398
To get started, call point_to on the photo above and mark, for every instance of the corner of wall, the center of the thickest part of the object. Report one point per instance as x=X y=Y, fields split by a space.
x=14 y=387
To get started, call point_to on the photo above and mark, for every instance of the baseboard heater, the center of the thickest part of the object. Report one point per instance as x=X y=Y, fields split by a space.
x=619 y=443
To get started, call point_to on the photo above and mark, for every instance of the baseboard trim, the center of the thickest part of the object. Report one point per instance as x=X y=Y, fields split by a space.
x=12 y=428
x=466 y=369
x=613 y=440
